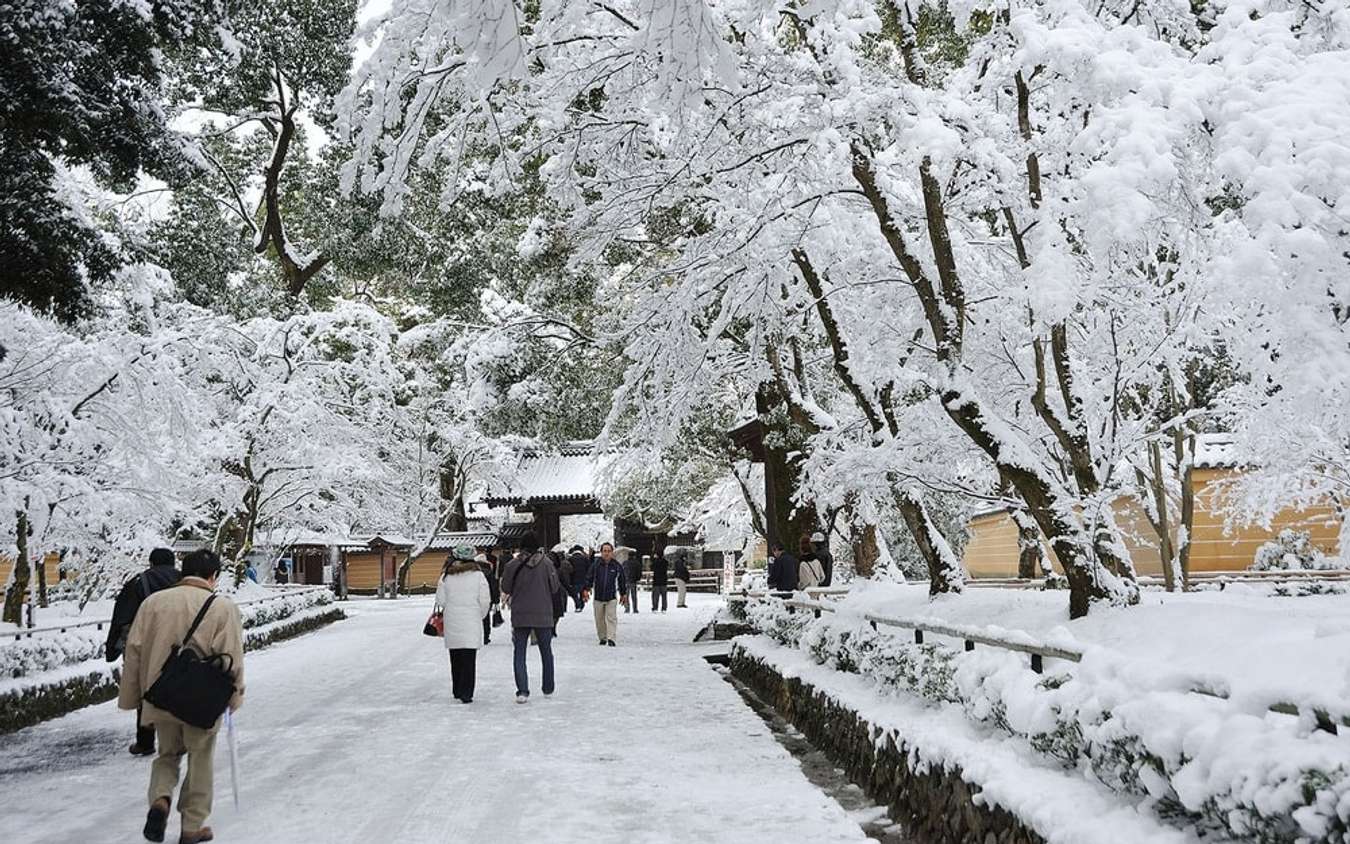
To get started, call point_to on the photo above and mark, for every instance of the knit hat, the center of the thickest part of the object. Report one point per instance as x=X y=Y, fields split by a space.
x=463 y=552
x=817 y=537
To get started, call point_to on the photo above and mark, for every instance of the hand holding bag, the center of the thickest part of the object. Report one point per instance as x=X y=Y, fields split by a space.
x=435 y=625
x=193 y=689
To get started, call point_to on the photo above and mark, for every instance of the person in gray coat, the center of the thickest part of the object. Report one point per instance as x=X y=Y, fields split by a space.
x=530 y=586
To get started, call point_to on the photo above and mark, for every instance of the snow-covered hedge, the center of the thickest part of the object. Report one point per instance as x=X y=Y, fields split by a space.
x=48 y=651
x=1292 y=550
x=1194 y=759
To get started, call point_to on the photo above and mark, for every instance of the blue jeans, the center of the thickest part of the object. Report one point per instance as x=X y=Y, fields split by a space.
x=520 y=639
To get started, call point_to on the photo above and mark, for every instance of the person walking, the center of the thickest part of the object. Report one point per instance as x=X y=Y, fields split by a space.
x=164 y=621
x=160 y=575
x=660 y=581
x=494 y=593
x=607 y=587
x=465 y=600
x=581 y=575
x=530 y=586
x=782 y=570
x=682 y=577
x=632 y=572
x=821 y=547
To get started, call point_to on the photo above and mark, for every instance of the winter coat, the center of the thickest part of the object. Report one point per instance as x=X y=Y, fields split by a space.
x=464 y=598
x=826 y=566
x=632 y=568
x=530 y=584
x=783 y=573
x=809 y=574
x=607 y=581
x=129 y=600
x=494 y=586
x=682 y=569
x=660 y=573
x=581 y=570
x=162 y=622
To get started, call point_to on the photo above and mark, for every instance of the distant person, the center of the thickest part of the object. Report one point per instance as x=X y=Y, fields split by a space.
x=530 y=586
x=465 y=600
x=608 y=587
x=164 y=621
x=581 y=575
x=782 y=569
x=494 y=593
x=682 y=577
x=809 y=573
x=281 y=574
x=251 y=573
x=821 y=546
x=660 y=581
x=160 y=575
x=632 y=572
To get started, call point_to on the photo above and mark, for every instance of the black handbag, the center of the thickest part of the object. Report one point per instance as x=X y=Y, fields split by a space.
x=193 y=689
x=497 y=620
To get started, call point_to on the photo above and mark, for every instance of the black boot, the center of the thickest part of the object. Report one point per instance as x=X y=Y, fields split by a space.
x=156 y=819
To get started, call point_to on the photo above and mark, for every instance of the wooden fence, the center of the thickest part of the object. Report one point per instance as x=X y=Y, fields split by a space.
x=1037 y=651
x=284 y=591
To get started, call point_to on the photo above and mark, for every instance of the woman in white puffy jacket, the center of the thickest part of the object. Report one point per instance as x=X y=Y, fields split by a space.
x=464 y=598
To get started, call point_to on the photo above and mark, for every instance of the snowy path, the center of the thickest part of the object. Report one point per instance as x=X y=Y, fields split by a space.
x=350 y=735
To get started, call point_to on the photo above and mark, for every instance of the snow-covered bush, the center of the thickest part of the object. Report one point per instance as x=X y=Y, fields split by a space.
x=1292 y=550
x=1194 y=759
x=43 y=652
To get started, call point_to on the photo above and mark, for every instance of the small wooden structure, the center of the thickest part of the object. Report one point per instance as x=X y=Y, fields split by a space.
x=549 y=486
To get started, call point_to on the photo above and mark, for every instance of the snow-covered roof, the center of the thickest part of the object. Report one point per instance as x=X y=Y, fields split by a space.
x=1215 y=451
x=476 y=538
x=567 y=474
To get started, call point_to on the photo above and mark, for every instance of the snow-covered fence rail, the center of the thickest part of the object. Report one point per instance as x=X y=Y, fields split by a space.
x=99 y=623
x=1038 y=652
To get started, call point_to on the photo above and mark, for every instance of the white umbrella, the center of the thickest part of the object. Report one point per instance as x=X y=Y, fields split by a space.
x=234 y=754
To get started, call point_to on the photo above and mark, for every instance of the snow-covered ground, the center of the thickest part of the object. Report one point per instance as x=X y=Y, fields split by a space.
x=350 y=735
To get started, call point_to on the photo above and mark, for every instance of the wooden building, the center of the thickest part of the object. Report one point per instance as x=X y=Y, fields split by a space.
x=991 y=549
x=549 y=486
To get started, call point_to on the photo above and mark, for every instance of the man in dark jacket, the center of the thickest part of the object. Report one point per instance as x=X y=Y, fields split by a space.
x=782 y=570
x=821 y=547
x=682 y=577
x=494 y=591
x=529 y=585
x=160 y=575
x=660 y=582
x=608 y=587
x=581 y=575
x=632 y=573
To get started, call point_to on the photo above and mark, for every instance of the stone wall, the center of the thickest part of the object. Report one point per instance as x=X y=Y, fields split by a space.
x=936 y=806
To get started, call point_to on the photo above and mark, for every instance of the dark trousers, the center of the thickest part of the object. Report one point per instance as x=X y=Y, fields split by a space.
x=487 y=628
x=659 y=596
x=633 y=595
x=145 y=733
x=520 y=640
x=463 y=666
x=578 y=600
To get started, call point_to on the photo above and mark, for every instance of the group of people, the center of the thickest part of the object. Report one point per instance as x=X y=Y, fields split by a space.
x=536 y=585
x=815 y=569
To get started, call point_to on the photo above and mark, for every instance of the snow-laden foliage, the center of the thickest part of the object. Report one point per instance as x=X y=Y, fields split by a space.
x=1020 y=222
x=1292 y=550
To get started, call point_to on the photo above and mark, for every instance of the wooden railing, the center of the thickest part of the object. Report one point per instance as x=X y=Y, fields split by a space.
x=1037 y=651
x=287 y=590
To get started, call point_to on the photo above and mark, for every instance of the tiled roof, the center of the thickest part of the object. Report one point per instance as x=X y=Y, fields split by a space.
x=476 y=538
x=565 y=475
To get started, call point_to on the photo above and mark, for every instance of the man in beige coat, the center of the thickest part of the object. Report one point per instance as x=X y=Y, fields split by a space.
x=160 y=624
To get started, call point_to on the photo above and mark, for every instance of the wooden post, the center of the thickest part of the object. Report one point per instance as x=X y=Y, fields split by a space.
x=1037 y=664
x=918 y=637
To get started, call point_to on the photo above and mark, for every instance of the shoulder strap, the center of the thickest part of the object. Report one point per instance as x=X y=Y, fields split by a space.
x=201 y=613
x=145 y=585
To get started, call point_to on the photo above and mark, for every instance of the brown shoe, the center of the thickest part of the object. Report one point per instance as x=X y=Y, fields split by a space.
x=203 y=834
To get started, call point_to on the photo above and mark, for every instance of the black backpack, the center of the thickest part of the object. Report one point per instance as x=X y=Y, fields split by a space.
x=193 y=689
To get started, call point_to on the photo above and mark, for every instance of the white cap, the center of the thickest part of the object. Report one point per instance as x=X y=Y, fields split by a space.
x=817 y=537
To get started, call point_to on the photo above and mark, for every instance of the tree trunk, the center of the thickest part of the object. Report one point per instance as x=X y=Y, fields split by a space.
x=865 y=551
x=41 y=569
x=18 y=587
x=1030 y=552
x=1184 y=450
x=784 y=521
x=944 y=570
